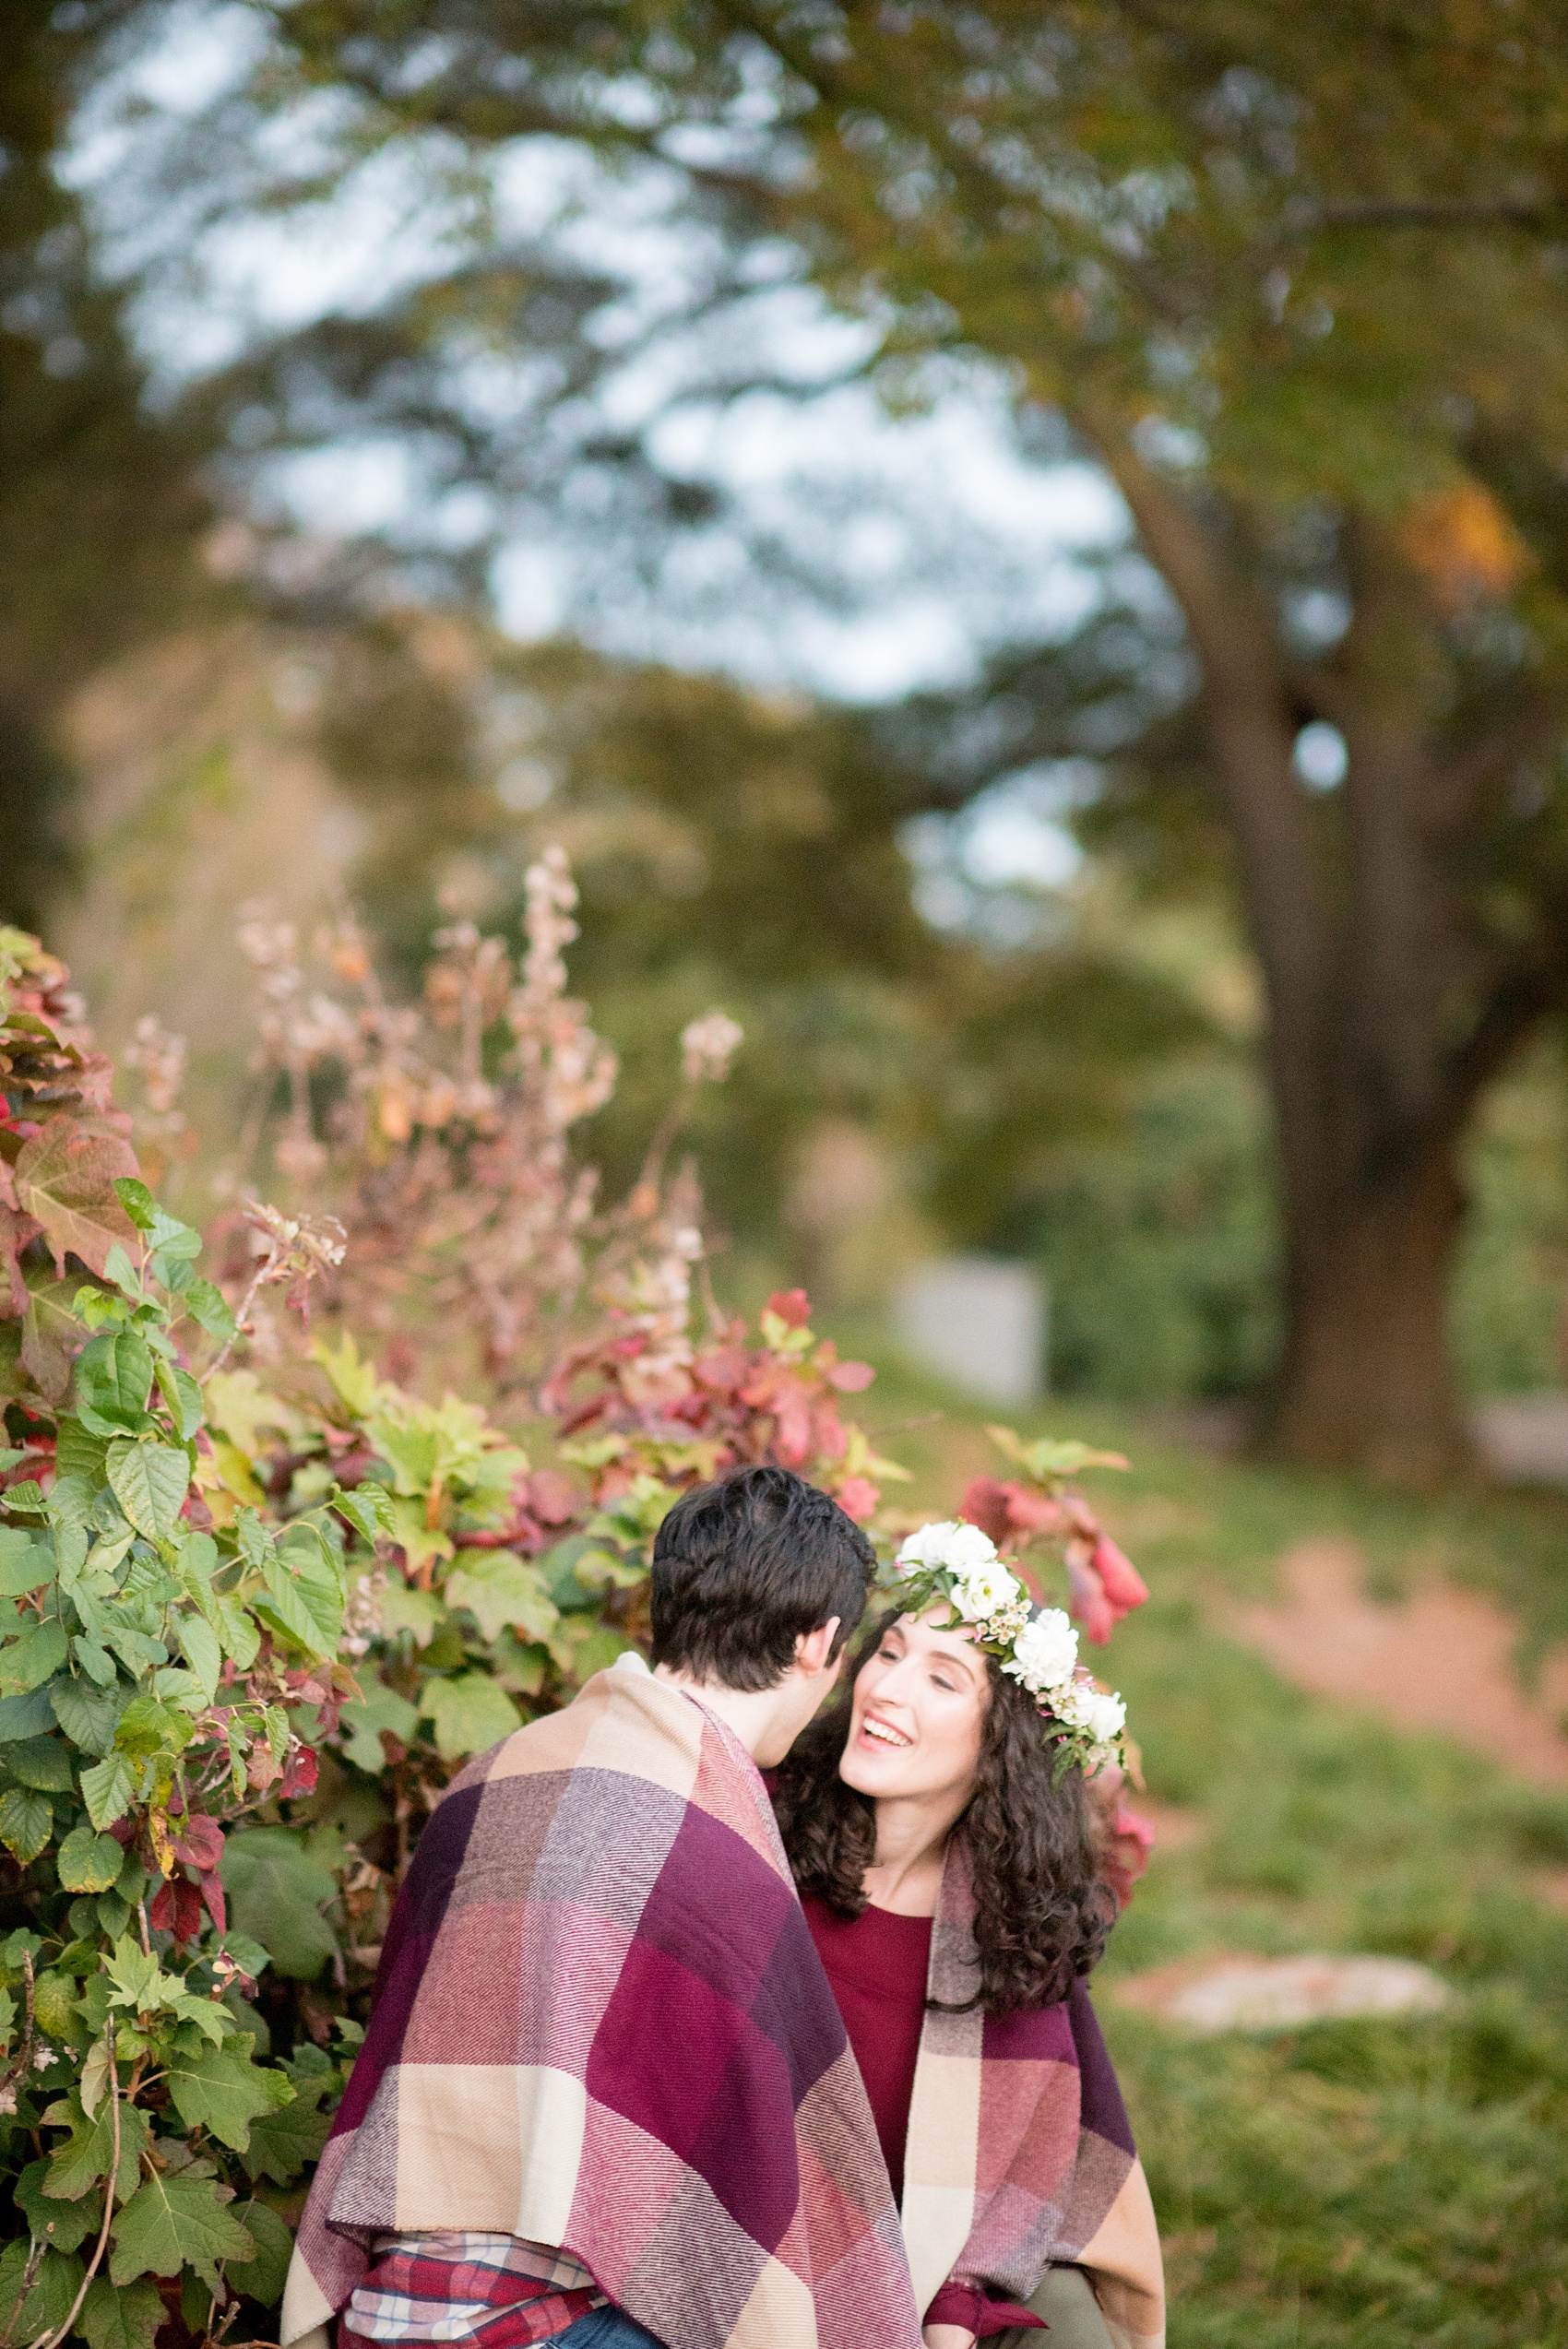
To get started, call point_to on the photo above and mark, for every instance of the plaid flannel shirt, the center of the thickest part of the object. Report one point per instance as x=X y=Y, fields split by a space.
x=469 y=2286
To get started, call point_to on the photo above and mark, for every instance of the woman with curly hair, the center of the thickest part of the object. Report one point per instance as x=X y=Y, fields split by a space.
x=942 y=1837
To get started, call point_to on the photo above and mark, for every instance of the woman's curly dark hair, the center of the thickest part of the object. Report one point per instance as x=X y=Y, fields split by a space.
x=1042 y=1908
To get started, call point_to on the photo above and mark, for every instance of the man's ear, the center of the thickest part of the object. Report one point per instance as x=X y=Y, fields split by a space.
x=813 y=1648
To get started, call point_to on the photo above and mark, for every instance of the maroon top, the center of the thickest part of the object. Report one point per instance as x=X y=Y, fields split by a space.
x=876 y=1965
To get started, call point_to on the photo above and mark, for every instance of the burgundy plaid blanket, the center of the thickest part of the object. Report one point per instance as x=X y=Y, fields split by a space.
x=1019 y=2152
x=600 y=2024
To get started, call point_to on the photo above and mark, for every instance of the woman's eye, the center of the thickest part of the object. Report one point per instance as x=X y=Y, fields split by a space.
x=938 y=1681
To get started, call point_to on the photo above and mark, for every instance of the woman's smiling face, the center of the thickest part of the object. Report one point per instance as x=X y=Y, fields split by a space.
x=918 y=1712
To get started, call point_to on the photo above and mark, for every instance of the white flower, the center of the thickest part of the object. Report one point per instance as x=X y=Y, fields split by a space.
x=1045 y=1653
x=984 y=1589
x=959 y=1547
x=1107 y=1717
x=707 y=1047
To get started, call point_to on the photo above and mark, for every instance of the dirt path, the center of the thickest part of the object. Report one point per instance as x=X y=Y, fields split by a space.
x=1441 y=1661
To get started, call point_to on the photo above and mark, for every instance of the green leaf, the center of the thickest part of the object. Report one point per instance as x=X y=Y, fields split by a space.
x=60 y=2224
x=48 y=2303
x=222 y=2089
x=420 y=1612
x=121 y=2316
x=95 y=1661
x=88 y=2154
x=25 y=1563
x=171 y=1238
x=89 y=1862
x=368 y=1508
x=26 y=1498
x=42 y=1762
x=276 y=1895
x=26 y=1716
x=175 y=2222
x=136 y=1200
x=502 y=1592
x=88 y=1715
x=77 y=1451
x=305 y=1597
x=184 y=1397
x=26 y=1822
x=203 y=1650
x=107 y=1789
x=118 y=1268
x=149 y=1481
x=470 y=1713
x=148 y=1726
x=39 y=1654
x=283 y=2143
x=380 y=1708
x=207 y=1306
x=262 y=2277
x=113 y=1377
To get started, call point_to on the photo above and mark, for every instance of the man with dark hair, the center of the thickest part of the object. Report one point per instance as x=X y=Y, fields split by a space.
x=606 y=2098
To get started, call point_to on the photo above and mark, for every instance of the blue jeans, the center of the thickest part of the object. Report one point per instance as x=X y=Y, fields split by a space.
x=605 y=2328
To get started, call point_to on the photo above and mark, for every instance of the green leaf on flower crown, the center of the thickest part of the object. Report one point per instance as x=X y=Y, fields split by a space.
x=149 y=1481
x=88 y=1861
x=380 y=1708
x=48 y=2304
x=262 y=2277
x=107 y=1789
x=221 y=2089
x=26 y=1563
x=33 y=1659
x=60 y=2224
x=26 y=1822
x=468 y=1713
x=174 y=2221
x=502 y=1592
x=121 y=2316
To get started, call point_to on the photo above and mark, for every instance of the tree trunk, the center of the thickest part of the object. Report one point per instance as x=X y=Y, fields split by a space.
x=1367 y=1378
x=1385 y=1019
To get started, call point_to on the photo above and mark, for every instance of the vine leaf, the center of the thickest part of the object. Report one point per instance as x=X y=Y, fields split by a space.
x=120 y=2317
x=64 y=1177
x=220 y=2088
x=107 y=1789
x=174 y=2221
x=89 y=1862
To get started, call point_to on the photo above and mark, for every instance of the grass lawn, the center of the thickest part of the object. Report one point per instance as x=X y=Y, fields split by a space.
x=1368 y=2183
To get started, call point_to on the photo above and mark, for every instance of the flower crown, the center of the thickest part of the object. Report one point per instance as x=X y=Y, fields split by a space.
x=1036 y=1645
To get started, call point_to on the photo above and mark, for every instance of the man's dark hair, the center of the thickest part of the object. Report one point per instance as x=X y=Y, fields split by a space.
x=742 y=1568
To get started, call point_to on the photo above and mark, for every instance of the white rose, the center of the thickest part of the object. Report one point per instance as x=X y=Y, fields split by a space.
x=922 y=1548
x=1071 y=1704
x=966 y=1548
x=1045 y=1652
x=984 y=1589
x=1107 y=1717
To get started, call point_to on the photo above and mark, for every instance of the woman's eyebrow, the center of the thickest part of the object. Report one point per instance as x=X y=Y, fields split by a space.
x=956 y=1655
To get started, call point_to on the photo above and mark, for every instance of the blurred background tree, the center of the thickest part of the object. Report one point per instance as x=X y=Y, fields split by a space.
x=1303 y=310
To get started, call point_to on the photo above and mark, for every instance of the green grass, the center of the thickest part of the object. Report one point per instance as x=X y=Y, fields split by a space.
x=1357 y=2185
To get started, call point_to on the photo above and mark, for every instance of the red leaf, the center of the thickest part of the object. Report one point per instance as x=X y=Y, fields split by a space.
x=176 y=1908
x=858 y=1497
x=793 y=1439
x=212 y=1895
x=792 y=1307
x=1031 y=1511
x=300 y=1777
x=985 y=1504
x=1124 y=1586
x=200 y=1843
x=851 y=1378
x=1088 y=1604
x=552 y=1497
x=1132 y=1840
